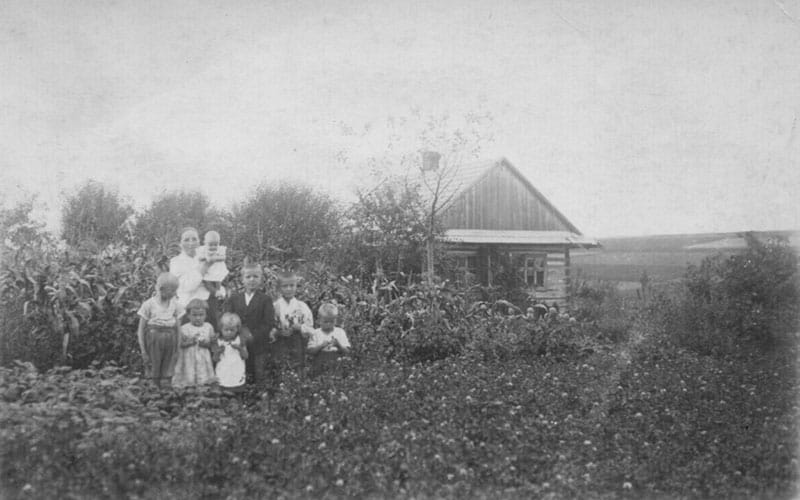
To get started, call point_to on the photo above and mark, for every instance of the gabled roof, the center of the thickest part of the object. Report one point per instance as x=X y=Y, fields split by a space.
x=469 y=174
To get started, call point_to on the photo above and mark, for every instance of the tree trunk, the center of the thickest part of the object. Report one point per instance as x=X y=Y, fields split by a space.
x=429 y=261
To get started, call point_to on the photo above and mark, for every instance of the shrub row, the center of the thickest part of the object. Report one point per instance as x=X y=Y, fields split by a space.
x=731 y=303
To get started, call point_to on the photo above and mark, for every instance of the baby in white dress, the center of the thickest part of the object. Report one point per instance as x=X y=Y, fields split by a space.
x=213 y=254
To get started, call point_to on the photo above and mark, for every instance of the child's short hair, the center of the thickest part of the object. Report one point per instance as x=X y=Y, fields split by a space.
x=285 y=276
x=197 y=304
x=166 y=279
x=247 y=266
x=328 y=310
x=230 y=318
x=211 y=236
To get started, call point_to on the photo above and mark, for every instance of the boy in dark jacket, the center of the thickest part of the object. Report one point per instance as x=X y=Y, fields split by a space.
x=255 y=309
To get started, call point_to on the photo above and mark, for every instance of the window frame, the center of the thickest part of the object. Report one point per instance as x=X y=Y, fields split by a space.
x=530 y=269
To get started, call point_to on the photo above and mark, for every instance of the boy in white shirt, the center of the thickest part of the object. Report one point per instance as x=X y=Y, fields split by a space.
x=327 y=342
x=295 y=324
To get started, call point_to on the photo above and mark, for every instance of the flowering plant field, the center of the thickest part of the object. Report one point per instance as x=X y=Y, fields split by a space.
x=654 y=422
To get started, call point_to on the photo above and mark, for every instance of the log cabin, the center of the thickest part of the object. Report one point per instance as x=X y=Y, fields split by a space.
x=495 y=221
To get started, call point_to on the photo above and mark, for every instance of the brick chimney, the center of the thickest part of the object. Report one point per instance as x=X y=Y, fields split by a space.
x=430 y=161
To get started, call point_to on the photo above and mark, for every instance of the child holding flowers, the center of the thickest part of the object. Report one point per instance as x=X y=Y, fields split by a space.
x=158 y=330
x=327 y=342
x=295 y=324
x=194 y=366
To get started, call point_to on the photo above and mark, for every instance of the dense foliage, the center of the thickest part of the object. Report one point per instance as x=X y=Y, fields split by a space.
x=732 y=302
x=95 y=216
x=285 y=222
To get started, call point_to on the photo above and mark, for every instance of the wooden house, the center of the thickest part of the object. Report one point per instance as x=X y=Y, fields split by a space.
x=496 y=221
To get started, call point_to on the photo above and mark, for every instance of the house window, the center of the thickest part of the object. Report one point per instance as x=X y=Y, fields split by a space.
x=466 y=268
x=535 y=270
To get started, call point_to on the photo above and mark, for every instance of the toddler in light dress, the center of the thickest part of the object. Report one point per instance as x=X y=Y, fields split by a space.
x=230 y=369
x=194 y=366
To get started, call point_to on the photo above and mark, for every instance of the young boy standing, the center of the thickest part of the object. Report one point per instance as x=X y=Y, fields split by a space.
x=328 y=342
x=255 y=309
x=295 y=325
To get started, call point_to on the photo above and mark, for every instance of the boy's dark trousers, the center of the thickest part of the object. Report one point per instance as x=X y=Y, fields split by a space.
x=214 y=312
x=256 y=368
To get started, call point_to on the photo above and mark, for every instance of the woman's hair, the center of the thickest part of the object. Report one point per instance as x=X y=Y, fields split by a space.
x=231 y=319
x=328 y=310
x=187 y=229
x=166 y=279
x=197 y=304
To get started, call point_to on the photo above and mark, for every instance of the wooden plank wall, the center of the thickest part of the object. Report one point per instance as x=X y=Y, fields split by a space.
x=500 y=201
x=558 y=270
x=556 y=281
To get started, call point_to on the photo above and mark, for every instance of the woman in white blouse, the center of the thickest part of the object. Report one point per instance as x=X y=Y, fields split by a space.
x=188 y=268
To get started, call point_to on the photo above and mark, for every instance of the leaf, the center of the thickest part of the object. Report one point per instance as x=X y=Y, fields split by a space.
x=64 y=345
x=86 y=307
x=119 y=295
x=74 y=325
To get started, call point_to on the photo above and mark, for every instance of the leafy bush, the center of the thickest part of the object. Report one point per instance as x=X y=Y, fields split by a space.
x=751 y=297
x=599 y=303
x=95 y=216
x=73 y=307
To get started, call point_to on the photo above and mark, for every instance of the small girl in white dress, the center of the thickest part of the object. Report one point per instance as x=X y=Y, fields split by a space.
x=194 y=366
x=230 y=368
x=213 y=255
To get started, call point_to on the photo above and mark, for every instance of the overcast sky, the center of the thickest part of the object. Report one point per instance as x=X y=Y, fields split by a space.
x=631 y=117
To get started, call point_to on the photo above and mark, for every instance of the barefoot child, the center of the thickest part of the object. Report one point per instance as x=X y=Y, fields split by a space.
x=327 y=342
x=255 y=309
x=194 y=366
x=230 y=369
x=295 y=325
x=159 y=330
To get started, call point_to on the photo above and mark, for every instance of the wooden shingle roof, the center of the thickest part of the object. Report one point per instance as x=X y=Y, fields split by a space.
x=463 y=177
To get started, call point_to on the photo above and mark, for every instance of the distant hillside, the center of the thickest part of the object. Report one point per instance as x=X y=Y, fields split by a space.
x=680 y=242
x=662 y=257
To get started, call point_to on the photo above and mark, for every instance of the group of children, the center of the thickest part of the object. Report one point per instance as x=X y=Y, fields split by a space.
x=184 y=343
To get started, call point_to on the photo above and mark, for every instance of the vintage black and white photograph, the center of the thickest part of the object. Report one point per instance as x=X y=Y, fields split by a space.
x=426 y=249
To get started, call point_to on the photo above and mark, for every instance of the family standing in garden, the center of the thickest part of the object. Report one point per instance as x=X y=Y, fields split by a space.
x=192 y=333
